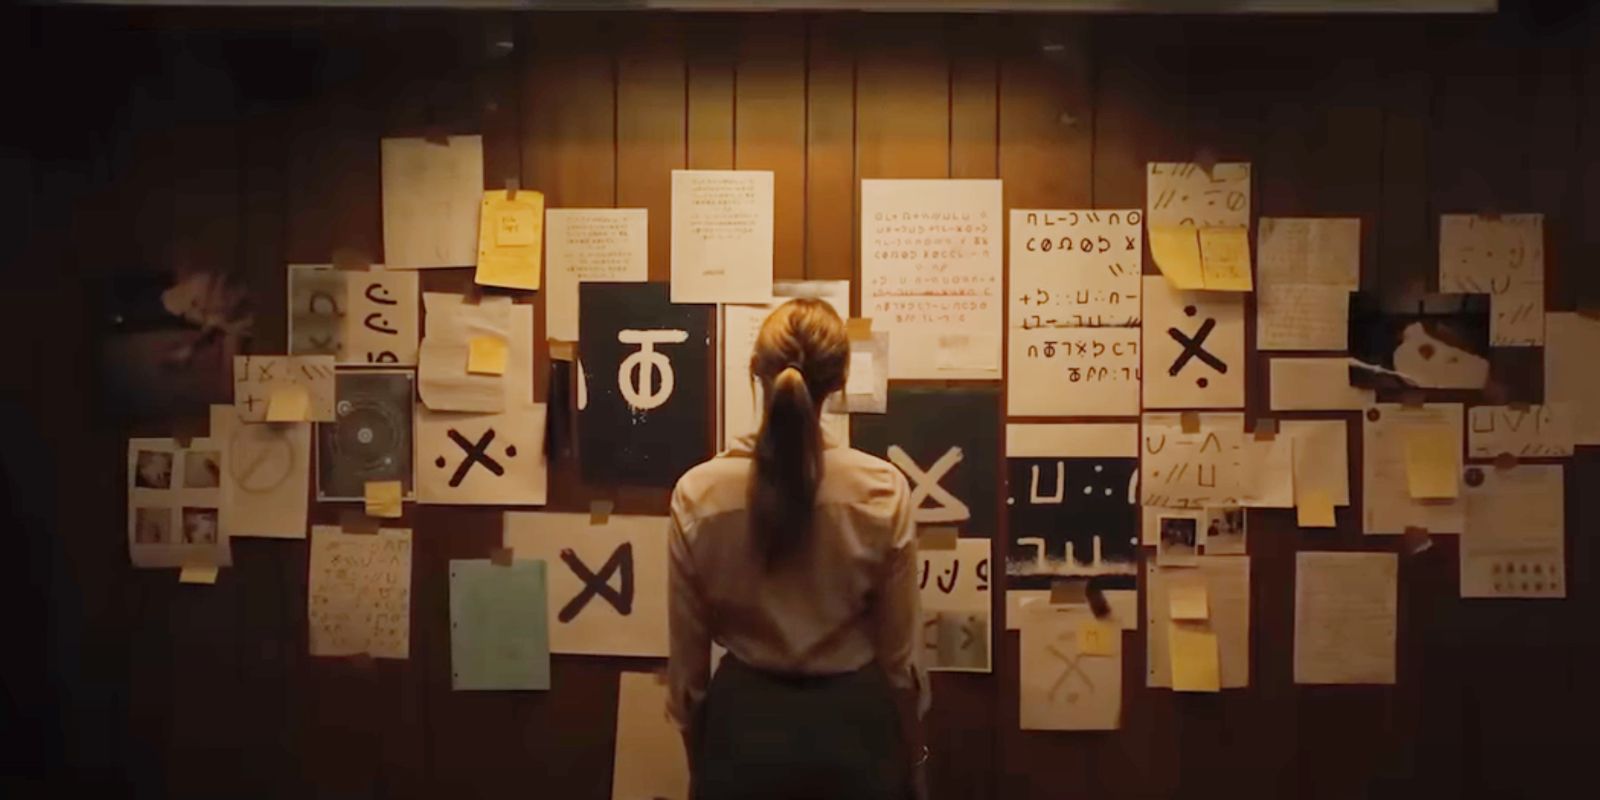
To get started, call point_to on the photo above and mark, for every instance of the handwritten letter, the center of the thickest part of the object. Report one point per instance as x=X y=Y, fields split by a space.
x=1344 y=617
x=590 y=244
x=930 y=271
x=721 y=236
x=360 y=593
x=1503 y=257
x=431 y=194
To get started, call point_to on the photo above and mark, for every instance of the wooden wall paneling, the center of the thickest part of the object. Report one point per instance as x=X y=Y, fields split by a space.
x=712 y=56
x=973 y=43
x=569 y=111
x=770 y=126
x=652 y=118
x=902 y=98
x=831 y=246
x=1579 y=288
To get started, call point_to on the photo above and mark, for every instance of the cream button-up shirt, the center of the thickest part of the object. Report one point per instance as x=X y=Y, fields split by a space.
x=848 y=598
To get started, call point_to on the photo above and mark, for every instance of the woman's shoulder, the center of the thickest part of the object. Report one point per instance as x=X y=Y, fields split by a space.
x=855 y=476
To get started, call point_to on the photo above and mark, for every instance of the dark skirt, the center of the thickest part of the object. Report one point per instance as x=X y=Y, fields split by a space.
x=778 y=737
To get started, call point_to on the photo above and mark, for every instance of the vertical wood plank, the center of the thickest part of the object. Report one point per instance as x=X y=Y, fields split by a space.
x=569 y=111
x=712 y=55
x=651 y=133
x=1047 y=114
x=770 y=126
x=830 y=187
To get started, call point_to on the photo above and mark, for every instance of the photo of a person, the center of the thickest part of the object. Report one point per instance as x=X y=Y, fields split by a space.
x=152 y=526
x=153 y=470
x=1178 y=545
x=202 y=469
x=199 y=526
x=1225 y=531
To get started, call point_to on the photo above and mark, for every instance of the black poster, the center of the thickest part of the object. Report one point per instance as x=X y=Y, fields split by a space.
x=1071 y=518
x=643 y=417
x=370 y=437
x=947 y=442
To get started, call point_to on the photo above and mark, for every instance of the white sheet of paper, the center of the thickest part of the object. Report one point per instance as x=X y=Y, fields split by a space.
x=173 y=498
x=867 y=390
x=741 y=401
x=1194 y=353
x=1501 y=256
x=931 y=275
x=590 y=244
x=360 y=593
x=481 y=459
x=1321 y=457
x=1324 y=251
x=1227 y=582
x=266 y=469
x=431 y=194
x=1386 y=503
x=1302 y=316
x=1075 y=311
x=443 y=382
x=1181 y=193
x=1073 y=372
x=316 y=316
x=1514 y=544
x=381 y=321
x=1537 y=431
x=1059 y=687
x=955 y=583
x=1344 y=617
x=1268 y=472
x=1571 y=340
x=582 y=620
x=1314 y=384
x=649 y=763
x=863 y=374
x=1197 y=470
x=1124 y=603
x=721 y=236
x=256 y=378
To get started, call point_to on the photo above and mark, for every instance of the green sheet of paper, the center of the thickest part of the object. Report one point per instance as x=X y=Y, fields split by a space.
x=498 y=634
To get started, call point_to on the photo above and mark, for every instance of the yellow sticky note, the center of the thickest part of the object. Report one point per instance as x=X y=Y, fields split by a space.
x=1095 y=638
x=198 y=573
x=486 y=355
x=1176 y=249
x=1192 y=648
x=510 y=239
x=1314 y=509
x=1225 y=258
x=1432 y=462
x=288 y=403
x=1187 y=600
x=383 y=499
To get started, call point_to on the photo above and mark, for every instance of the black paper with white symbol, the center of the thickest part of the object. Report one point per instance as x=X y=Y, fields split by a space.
x=607 y=582
x=648 y=368
x=370 y=437
x=946 y=441
x=1433 y=341
x=1193 y=347
x=1071 y=517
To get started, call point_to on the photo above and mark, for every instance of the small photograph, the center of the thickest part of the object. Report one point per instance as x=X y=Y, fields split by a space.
x=1225 y=534
x=202 y=469
x=152 y=525
x=153 y=470
x=1179 y=543
x=199 y=526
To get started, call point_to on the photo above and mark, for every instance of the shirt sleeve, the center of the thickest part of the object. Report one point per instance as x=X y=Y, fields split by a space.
x=689 y=663
x=899 y=609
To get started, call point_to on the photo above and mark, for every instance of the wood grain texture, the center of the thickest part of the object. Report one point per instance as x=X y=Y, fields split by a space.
x=244 y=142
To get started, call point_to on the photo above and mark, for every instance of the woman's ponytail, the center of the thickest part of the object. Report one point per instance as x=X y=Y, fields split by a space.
x=788 y=467
x=802 y=355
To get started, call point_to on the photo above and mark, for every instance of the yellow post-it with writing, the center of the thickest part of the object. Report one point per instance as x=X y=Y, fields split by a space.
x=1192 y=648
x=288 y=403
x=1314 y=509
x=1433 y=462
x=1176 y=249
x=1095 y=638
x=486 y=355
x=198 y=573
x=1186 y=600
x=1225 y=258
x=510 y=239
x=383 y=499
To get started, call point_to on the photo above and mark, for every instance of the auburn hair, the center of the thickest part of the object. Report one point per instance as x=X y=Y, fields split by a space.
x=802 y=355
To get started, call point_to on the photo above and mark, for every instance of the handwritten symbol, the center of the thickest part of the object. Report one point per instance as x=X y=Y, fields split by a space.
x=384 y=299
x=634 y=376
x=1070 y=667
x=925 y=486
x=375 y=320
x=474 y=454
x=1195 y=348
x=1055 y=499
x=599 y=584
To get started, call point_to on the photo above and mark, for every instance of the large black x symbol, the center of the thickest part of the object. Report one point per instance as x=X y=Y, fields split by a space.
x=600 y=585
x=475 y=454
x=1192 y=348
